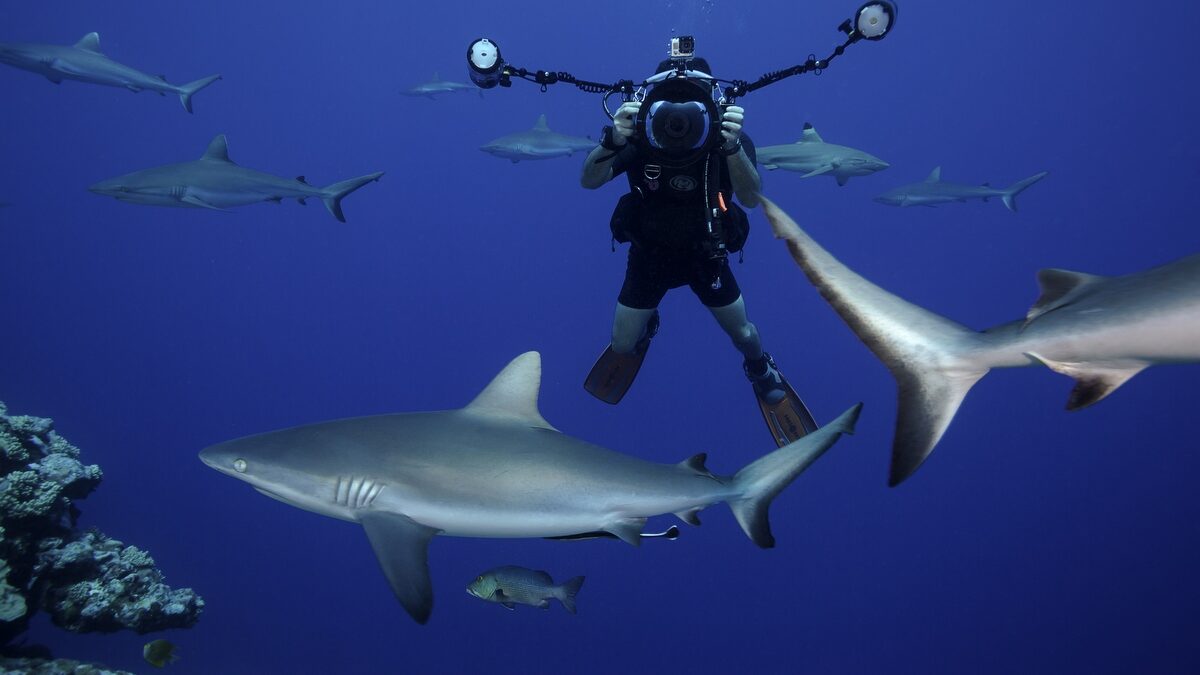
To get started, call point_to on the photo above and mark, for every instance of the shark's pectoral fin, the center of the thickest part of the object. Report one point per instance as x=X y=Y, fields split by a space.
x=820 y=170
x=402 y=547
x=134 y=89
x=509 y=606
x=770 y=167
x=54 y=78
x=628 y=530
x=1059 y=289
x=1092 y=381
x=842 y=180
x=193 y=200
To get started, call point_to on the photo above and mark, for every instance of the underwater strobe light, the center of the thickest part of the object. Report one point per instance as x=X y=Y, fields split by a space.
x=484 y=63
x=872 y=21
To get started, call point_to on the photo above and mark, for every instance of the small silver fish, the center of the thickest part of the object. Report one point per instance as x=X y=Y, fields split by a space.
x=511 y=585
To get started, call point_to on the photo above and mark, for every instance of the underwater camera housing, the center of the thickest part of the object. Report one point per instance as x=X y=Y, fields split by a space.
x=680 y=121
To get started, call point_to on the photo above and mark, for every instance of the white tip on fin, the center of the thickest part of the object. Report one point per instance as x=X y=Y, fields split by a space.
x=541 y=125
x=935 y=176
x=514 y=392
x=89 y=42
x=1059 y=289
x=218 y=149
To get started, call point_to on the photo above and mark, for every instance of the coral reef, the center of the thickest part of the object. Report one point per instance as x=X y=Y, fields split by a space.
x=84 y=580
x=25 y=666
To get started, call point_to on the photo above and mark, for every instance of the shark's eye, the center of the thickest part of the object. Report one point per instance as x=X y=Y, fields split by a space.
x=239 y=465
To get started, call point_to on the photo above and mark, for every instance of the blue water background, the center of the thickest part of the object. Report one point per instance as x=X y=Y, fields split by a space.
x=1032 y=541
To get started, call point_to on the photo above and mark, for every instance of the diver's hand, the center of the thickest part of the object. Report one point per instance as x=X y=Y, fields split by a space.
x=731 y=125
x=624 y=126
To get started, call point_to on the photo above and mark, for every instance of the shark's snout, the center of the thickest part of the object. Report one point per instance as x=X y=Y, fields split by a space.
x=107 y=188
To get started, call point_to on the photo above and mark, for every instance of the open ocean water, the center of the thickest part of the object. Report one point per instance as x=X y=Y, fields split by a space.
x=1033 y=540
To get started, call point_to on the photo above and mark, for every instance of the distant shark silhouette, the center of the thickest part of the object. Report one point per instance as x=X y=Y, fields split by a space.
x=437 y=86
x=215 y=182
x=537 y=143
x=84 y=62
x=495 y=468
x=934 y=191
x=812 y=156
x=1101 y=331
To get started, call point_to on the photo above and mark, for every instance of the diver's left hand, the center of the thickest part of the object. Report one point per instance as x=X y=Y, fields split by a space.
x=731 y=124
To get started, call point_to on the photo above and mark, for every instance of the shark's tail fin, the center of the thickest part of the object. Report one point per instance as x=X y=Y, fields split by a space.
x=761 y=480
x=934 y=360
x=1010 y=194
x=566 y=592
x=332 y=195
x=188 y=90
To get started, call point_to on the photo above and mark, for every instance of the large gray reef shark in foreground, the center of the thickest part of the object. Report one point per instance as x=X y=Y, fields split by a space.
x=537 y=143
x=495 y=468
x=437 y=86
x=1101 y=331
x=934 y=191
x=84 y=62
x=215 y=182
x=812 y=156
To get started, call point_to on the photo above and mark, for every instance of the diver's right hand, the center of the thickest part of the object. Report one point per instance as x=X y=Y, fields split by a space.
x=624 y=126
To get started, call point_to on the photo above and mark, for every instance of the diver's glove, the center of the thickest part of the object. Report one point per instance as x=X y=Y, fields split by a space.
x=731 y=128
x=624 y=124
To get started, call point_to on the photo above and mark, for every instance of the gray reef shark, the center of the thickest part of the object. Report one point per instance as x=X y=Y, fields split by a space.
x=495 y=468
x=215 y=182
x=1101 y=331
x=812 y=156
x=84 y=62
x=537 y=143
x=437 y=86
x=935 y=191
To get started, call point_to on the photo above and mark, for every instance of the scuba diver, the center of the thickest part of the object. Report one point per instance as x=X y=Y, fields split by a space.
x=678 y=139
x=681 y=223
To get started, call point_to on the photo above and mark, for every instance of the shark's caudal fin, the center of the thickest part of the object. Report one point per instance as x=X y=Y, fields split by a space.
x=333 y=194
x=188 y=90
x=761 y=480
x=932 y=358
x=567 y=591
x=1010 y=194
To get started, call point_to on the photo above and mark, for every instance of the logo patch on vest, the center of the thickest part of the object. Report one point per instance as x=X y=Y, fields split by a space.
x=683 y=183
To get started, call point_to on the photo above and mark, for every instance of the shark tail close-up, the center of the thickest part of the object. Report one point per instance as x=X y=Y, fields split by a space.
x=760 y=481
x=334 y=194
x=934 y=360
x=187 y=91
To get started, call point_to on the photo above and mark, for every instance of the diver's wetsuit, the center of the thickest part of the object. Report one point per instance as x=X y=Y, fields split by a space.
x=666 y=250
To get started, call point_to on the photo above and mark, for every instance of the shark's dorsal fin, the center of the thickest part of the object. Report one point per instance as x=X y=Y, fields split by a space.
x=695 y=464
x=810 y=135
x=513 y=393
x=1059 y=289
x=218 y=149
x=541 y=125
x=935 y=176
x=89 y=42
x=435 y=77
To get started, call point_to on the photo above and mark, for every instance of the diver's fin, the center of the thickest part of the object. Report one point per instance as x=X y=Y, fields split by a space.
x=613 y=374
x=402 y=547
x=787 y=419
